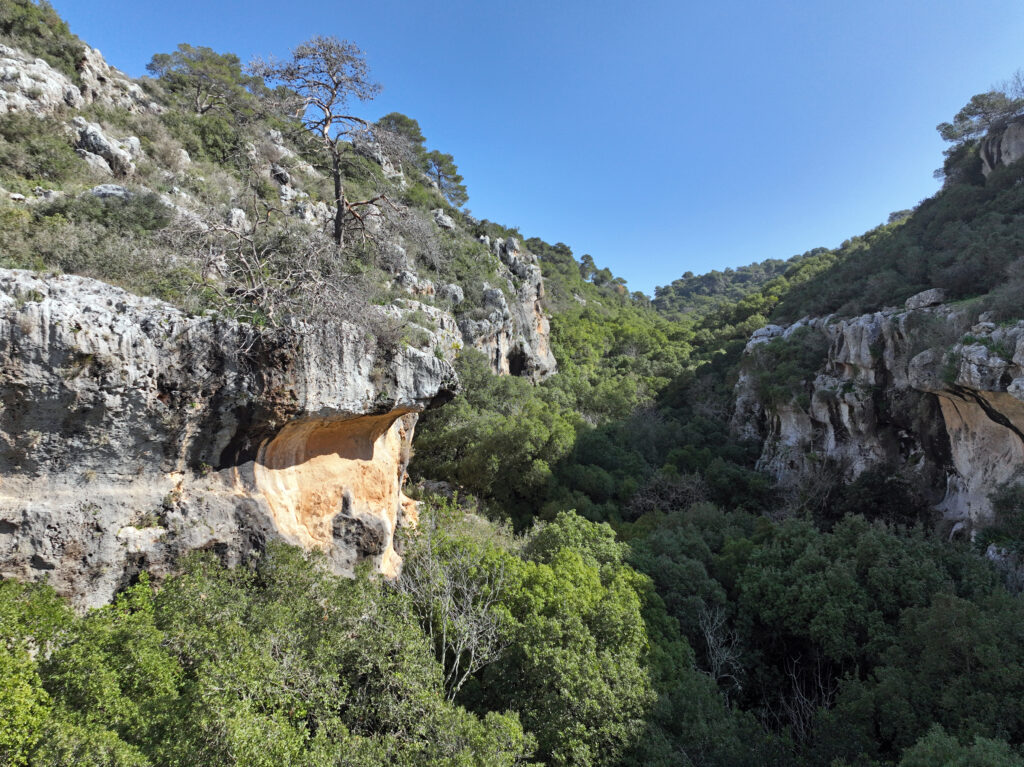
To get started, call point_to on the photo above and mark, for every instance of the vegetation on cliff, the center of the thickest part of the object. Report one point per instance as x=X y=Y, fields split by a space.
x=613 y=582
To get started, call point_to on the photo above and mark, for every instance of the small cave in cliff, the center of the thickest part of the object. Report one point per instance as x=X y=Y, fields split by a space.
x=518 y=362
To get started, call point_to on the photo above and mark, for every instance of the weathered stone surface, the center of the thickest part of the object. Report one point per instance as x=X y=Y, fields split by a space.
x=451 y=293
x=513 y=334
x=925 y=298
x=106 y=84
x=373 y=151
x=111 y=190
x=899 y=389
x=131 y=433
x=29 y=84
x=1002 y=147
x=442 y=219
x=95 y=162
x=92 y=139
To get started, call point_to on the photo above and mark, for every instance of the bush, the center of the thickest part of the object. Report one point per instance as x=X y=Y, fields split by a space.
x=36 y=28
x=37 y=148
x=212 y=136
x=136 y=214
x=784 y=368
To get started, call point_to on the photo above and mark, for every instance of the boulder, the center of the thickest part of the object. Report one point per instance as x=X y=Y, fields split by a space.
x=92 y=139
x=96 y=163
x=111 y=190
x=280 y=174
x=442 y=219
x=451 y=293
x=926 y=298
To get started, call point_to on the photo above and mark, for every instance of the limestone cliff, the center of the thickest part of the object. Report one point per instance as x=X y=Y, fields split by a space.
x=932 y=389
x=1002 y=146
x=514 y=336
x=131 y=433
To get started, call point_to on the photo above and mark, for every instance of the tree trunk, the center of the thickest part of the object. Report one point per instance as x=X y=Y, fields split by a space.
x=339 y=201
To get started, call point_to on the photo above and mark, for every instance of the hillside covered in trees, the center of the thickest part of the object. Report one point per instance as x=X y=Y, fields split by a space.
x=602 y=573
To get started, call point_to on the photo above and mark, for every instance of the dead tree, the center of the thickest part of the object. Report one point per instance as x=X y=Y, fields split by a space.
x=455 y=600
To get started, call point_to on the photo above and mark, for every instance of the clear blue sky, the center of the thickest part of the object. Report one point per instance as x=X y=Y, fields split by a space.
x=658 y=136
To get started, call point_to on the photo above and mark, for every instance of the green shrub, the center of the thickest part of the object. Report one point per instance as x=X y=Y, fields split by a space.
x=35 y=27
x=37 y=148
x=137 y=213
x=213 y=136
x=784 y=368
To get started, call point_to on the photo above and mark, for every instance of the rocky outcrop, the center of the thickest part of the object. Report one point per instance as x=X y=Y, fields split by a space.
x=29 y=84
x=933 y=390
x=1003 y=146
x=117 y=157
x=504 y=318
x=132 y=433
x=514 y=335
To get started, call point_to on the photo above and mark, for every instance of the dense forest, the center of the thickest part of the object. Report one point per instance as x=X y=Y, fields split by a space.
x=600 y=575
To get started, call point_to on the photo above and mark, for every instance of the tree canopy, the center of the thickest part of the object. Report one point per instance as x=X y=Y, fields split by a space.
x=207 y=80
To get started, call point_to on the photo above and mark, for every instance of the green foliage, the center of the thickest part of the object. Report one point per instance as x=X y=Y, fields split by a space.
x=700 y=293
x=878 y=494
x=576 y=670
x=135 y=214
x=280 y=663
x=407 y=129
x=784 y=368
x=499 y=440
x=983 y=113
x=34 y=26
x=210 y=137
x=205 y=80
x=1008 y=509
x=23 y=705
x=938 y=749
x=442 y=170
x=37 y=149
x=956 y=664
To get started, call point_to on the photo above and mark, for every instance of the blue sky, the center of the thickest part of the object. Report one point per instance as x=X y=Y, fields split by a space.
x=658 y=136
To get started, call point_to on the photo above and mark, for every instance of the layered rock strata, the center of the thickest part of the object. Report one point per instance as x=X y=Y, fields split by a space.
x=933 y=389
x=132 y=433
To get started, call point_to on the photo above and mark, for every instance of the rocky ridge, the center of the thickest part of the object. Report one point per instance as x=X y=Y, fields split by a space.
x=514 y=337
x=132 y=433
x=29 y=84
x=510 y=326
x=932 y=389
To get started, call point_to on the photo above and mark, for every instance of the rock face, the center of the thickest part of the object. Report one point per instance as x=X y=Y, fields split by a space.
x=92 y=142
x=131 y=433
x=31 y=85
x=1002 y=147
x=28 y=84
x=931 y=391
x=514 y=336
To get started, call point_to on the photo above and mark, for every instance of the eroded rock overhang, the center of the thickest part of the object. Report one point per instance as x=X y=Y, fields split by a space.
x=132 y=433
x=934 y=390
